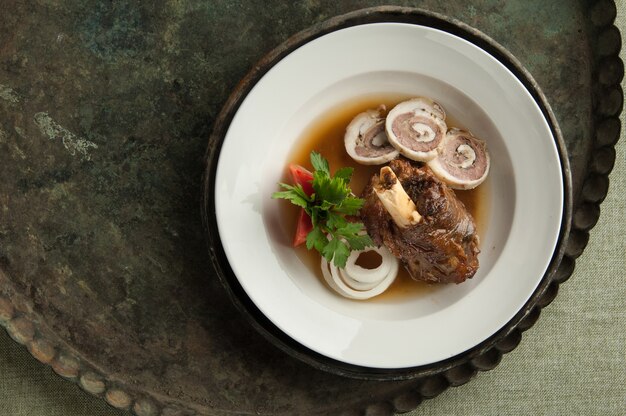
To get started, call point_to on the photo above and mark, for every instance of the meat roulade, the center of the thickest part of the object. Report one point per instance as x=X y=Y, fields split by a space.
x=366 y=141
x=462 y=161
x=416 y=128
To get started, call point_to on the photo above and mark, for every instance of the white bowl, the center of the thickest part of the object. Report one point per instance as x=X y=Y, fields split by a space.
x=525 y=207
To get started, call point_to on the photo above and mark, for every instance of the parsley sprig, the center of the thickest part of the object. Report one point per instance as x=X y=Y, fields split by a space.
x=332 y=235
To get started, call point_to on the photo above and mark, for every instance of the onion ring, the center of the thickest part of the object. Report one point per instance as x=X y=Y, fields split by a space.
x=345 y=284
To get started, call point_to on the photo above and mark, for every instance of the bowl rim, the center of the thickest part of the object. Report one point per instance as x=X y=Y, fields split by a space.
x=222 y=268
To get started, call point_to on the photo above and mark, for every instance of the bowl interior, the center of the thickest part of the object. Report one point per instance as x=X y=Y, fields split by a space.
x=497 y=221
x=524 y=198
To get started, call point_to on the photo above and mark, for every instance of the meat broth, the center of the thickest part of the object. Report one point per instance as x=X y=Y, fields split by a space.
x=326 y=136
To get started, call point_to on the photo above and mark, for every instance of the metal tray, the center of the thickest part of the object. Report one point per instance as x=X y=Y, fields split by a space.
x=104 y=273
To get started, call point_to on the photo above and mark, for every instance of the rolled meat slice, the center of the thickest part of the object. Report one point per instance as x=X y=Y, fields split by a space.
x=416 y=128
x=366 y=141
x=462 y=161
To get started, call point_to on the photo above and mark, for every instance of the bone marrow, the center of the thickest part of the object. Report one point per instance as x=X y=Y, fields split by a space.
x=395 y=199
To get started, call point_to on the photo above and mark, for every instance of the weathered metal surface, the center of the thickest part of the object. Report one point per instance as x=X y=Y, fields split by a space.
x=104 y=113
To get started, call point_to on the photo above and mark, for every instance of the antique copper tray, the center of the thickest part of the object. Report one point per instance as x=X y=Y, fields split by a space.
x=104 y=272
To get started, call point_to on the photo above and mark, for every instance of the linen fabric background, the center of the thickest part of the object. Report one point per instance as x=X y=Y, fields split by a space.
x=572 y=362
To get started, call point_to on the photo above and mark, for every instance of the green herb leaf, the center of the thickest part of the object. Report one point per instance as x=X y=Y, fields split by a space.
x=350 y=206
x=332 y=235
x=333 y=191
x=335 y=220
x=345 y=174
x=350 y=228
x=293 y=193
x=319 y=163
x=359 y=242
x=316 y=239
x=340 y=252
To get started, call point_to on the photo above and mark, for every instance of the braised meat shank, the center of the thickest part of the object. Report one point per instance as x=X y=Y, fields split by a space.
x=437 y=244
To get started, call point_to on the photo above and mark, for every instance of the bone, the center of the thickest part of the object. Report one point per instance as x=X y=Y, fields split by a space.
x=395 y=199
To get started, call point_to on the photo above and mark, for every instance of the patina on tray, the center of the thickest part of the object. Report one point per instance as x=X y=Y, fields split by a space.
x=104 y=115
